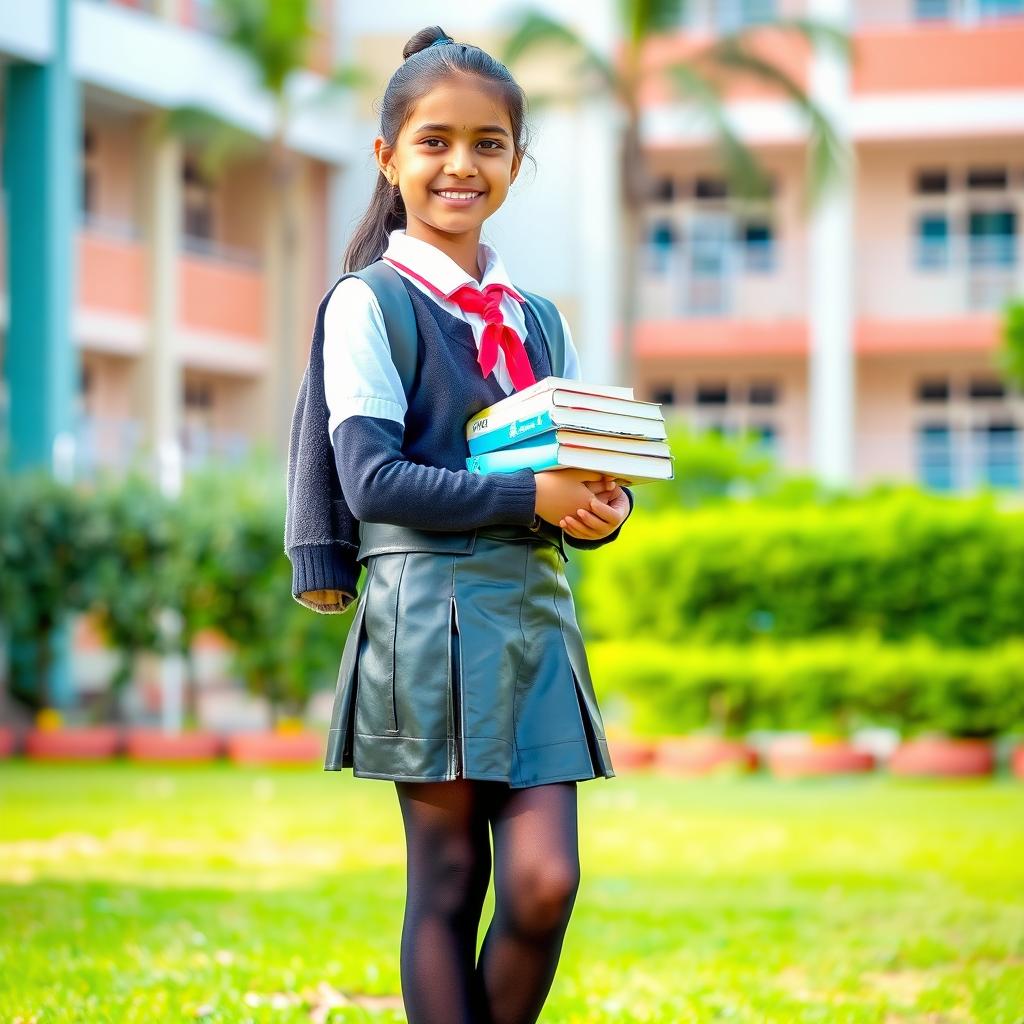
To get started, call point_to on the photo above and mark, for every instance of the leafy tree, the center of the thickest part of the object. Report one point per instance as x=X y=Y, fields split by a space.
x=699 y=80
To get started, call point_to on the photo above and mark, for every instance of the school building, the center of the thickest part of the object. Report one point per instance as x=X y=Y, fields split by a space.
x=142 y=298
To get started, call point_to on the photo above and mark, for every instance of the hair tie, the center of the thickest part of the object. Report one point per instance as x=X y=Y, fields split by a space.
x=443 y=40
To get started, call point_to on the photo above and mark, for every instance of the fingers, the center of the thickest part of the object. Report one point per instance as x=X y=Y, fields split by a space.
x=574 y=527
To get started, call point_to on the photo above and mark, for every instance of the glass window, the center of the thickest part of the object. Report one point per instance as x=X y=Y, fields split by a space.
x=712 y=394
x=931 y=182
x=933 y=389
x=663 y=189
x=1000 y=8
x=934 y=456
x=733 y=14
x=932 y=10
x=663 y=393
x=987 y=177
x=758 y=246
x=711 y=188
x=762 y=393
x=986 y=387
x=997 y=454
x=993 y=238
x=931 y=249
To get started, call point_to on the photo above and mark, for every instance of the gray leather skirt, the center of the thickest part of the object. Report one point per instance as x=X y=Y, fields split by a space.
x=465 y=660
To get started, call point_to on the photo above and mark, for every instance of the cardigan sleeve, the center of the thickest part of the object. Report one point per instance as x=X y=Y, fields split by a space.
x=367 y=406
x=572 y=371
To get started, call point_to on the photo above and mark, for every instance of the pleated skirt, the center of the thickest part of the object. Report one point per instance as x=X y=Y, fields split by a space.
x=465 y=660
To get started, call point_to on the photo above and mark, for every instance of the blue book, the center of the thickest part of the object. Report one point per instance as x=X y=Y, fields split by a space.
x=625 y=467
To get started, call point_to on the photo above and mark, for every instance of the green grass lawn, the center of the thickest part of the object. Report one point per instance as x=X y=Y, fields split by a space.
x=223 y=894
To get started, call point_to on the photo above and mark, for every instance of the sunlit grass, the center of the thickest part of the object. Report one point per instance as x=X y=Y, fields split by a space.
x=220 y=894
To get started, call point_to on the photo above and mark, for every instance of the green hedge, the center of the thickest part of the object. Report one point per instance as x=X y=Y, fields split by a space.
x=832 y=684
x=901 y=566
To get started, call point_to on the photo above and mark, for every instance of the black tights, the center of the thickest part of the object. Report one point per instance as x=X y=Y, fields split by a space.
x=536 y=875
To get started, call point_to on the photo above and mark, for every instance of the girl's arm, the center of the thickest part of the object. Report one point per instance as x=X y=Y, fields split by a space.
x=572 y=371
x=367 y=406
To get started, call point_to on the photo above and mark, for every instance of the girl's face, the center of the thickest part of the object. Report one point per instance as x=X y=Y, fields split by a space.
x=458 y=138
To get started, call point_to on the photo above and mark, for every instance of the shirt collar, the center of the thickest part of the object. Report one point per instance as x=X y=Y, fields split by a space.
x=441 y=270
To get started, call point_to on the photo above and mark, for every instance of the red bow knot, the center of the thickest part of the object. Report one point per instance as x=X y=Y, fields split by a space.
x=486 y=302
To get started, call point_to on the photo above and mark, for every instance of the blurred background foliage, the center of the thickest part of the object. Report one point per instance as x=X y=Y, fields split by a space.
x=779 y=603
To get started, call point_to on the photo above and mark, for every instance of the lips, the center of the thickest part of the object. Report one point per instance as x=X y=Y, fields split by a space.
x=457 y=197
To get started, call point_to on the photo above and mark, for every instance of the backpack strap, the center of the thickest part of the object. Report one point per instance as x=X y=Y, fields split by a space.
x=400 y=321
x=399 y=318
x=550 y=322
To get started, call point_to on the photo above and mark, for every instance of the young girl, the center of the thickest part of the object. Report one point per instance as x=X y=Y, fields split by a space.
x=464 y=678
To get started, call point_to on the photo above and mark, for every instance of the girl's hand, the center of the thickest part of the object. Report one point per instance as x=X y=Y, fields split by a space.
x=608 y=508
x=561 y=492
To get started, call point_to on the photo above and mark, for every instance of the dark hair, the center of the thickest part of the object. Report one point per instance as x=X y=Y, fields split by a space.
x=431 y=56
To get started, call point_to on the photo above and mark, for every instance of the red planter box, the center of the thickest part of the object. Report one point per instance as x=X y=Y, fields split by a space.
x=6 y=741
x=155 y=745
x=90 y=744
x=1017 y=762
x=631 y=755
x=944 y=757
x=789 y=759
x=702 y=755
x=275 y=748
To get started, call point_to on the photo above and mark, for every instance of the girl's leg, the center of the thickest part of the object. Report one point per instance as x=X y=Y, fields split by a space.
x=536 y=876
x=448 y=870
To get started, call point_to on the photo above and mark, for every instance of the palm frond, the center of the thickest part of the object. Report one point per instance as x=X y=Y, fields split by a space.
x=828 y=157
x=216 y=140
x=531 y=28
x=641 y=19
x=273 y=34
x=746 y=175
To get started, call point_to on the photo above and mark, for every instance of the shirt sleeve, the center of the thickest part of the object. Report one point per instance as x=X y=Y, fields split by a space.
x=572 y=372
x=366 y=415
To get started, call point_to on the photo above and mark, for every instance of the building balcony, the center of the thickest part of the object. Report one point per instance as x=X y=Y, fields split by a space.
x=938 y=278
x=222 y=291
x=759 y=279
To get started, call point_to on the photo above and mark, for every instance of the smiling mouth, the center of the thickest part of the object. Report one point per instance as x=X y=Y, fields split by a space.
x=460 y=197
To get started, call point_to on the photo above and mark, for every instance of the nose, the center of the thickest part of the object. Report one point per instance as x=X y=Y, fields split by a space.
x=460 y=162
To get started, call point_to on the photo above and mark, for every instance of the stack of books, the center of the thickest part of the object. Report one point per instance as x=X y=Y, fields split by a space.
x=559 y=423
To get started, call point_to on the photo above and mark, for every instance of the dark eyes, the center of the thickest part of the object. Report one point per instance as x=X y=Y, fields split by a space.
x=496 y=145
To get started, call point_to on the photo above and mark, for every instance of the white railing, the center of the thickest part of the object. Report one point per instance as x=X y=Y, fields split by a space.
x=714 y=16
x=931 y=278
x=210 y=249
x=934 y=12
x=722 y=279
x=105 y=442
x=203 y=445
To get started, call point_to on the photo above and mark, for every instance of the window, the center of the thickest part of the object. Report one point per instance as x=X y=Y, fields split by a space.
x=733 y=14
x=763 y=393
x=712 y=394
x=932 y=10
x=663 y=393
x=933 y=389
x=663 y=189
x=1000 y=8
x=89 y=171
x=993 y=238
x=932 y=182
x=986 y=388
x=987 y=178
x=198 y=201
x=997 y=454
x=661 y=242
x=934 y=451
x=758 y=239
x=931 y=248
x=711 y=188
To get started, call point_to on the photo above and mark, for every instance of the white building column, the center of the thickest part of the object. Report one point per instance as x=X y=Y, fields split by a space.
x=832 y=367
x=160 y=372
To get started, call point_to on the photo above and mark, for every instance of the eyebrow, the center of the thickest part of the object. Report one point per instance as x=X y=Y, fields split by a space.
x=495 y=129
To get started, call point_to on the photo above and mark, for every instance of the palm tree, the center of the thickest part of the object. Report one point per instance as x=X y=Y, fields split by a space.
x=275 y=37
x=699 y=80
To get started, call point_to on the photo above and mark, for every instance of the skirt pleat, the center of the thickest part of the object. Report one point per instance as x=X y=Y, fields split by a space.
x=467 y=665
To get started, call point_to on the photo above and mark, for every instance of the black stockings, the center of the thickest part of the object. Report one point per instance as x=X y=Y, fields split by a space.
x=536 y=875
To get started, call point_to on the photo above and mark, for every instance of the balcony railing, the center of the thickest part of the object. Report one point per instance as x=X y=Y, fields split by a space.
x=758 y=280
x=935 y=277
x=105 y=443
x=934 y=12
x=713 y=16
x=202 y=445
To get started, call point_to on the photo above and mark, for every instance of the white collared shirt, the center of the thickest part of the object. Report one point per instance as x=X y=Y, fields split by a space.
x=360 y=378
